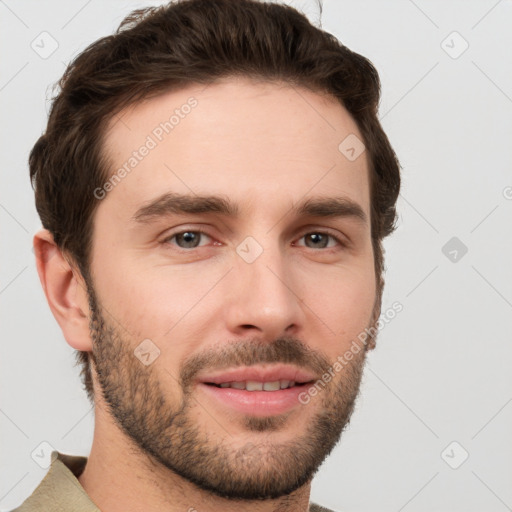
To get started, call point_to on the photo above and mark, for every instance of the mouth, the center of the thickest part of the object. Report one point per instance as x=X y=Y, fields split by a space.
x=253 y=385
x=258 y=378
x=257 y=391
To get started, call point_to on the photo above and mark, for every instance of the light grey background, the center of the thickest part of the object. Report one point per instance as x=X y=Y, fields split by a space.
x=441 y=370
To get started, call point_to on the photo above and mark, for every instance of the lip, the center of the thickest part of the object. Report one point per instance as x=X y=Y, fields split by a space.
x=259 y=374
x=255 y=403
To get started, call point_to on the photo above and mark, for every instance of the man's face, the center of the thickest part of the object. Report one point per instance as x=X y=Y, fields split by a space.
x=269 y=289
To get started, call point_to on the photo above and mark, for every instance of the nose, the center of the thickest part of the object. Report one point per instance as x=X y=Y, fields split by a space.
x=264 y=296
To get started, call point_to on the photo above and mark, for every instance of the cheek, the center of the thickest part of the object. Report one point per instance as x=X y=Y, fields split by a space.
x=342 y=302
x=154 y=303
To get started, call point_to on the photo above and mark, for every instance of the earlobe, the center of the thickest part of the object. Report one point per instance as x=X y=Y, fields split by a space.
x=65 y=291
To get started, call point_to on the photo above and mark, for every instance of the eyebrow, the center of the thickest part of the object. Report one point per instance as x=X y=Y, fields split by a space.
x=182 y=204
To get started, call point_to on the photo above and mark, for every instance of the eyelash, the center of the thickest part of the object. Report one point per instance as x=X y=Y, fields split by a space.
x=341 y=243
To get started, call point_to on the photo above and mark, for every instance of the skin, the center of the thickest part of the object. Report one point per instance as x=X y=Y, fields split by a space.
x=160 y=442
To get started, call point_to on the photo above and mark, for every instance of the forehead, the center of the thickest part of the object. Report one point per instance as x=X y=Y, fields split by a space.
x=259 y=141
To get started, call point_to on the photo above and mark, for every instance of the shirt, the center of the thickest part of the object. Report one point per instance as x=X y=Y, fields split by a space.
x=60 y=490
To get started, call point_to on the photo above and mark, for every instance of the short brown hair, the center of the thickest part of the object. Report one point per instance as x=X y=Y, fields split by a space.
x=159 y=49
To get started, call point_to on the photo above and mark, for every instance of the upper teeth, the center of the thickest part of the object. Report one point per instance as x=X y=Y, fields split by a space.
x=252 y=385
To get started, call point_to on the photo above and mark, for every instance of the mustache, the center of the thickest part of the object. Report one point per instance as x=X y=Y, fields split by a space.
x=285 y=349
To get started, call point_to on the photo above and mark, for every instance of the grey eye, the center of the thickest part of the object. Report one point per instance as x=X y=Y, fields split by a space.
x=318 y=240
x=188 y=239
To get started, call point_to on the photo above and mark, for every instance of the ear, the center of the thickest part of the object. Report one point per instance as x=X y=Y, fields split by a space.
x=65 y=291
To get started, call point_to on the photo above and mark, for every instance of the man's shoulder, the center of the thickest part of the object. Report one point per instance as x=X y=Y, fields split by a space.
x=60 y=489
